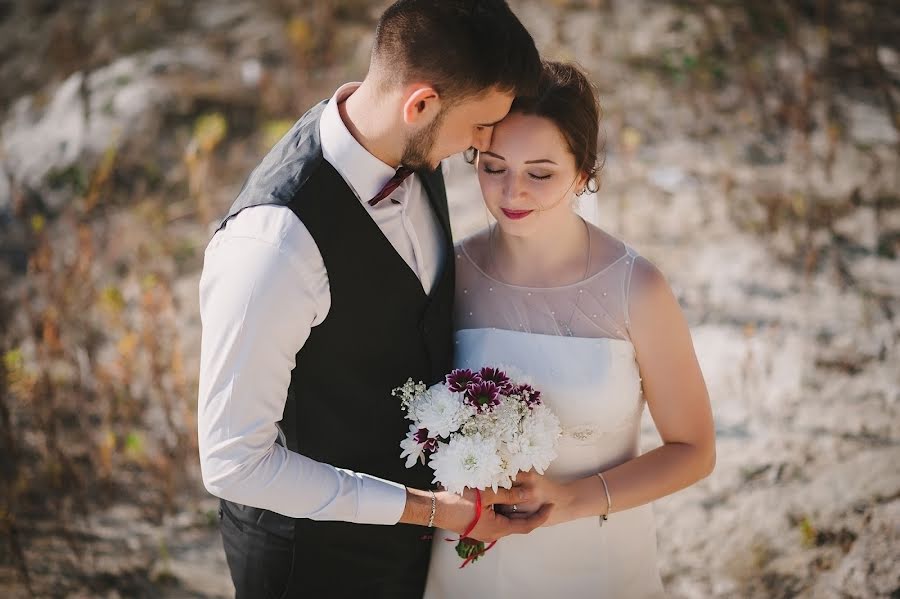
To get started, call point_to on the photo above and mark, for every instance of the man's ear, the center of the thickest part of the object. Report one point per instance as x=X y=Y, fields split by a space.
x=422 y=104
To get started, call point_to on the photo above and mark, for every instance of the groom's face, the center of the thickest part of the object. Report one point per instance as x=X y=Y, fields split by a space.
x=463 y=125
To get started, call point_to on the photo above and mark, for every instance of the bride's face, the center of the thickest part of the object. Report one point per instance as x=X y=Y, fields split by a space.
x=528 y=175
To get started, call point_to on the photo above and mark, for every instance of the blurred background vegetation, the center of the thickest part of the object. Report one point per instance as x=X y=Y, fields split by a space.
x=128 y=128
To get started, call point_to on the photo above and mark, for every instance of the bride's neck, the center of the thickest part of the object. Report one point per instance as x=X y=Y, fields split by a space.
x=550 y=256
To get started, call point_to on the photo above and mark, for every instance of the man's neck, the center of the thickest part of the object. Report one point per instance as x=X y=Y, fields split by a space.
x=370 y=122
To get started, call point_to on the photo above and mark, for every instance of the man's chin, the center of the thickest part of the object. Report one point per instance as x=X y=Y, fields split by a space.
x=423 y=166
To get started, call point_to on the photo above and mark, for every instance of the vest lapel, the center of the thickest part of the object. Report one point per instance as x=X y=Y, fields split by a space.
x=433 y=182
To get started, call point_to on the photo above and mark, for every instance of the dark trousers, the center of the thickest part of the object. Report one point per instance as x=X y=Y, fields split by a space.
x=266 y=563
x=259 y=548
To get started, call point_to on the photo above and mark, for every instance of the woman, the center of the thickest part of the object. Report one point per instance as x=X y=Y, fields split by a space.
x=598 y=329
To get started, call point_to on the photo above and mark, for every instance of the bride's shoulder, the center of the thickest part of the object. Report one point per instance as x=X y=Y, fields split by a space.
x=607 y=249
x=648 y=291
x=610 y=249
x=474 y=247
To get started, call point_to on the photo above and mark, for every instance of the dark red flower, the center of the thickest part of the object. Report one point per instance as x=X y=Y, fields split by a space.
x=529 y=395
x=460 y=379
x=498 y=377
x=421 y=437
x=484 y=395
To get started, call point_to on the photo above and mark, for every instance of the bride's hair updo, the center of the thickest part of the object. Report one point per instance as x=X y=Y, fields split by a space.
x=565 y=96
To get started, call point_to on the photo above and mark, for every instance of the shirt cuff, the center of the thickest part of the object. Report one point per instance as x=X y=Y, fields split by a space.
x=381 y=501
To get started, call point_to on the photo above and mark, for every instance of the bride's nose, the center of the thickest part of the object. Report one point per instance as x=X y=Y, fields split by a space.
x=512 y=188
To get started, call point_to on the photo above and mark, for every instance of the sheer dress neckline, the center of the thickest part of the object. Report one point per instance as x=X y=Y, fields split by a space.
x=594 y=307
x=626 y=253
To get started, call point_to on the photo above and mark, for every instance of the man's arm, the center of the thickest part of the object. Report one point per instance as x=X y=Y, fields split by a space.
x=262 y=289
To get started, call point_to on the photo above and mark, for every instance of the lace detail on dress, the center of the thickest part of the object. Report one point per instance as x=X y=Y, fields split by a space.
x=583 y=432
x=588 y=434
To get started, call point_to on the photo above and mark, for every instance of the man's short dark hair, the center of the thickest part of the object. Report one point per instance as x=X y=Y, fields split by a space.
x=460 y=47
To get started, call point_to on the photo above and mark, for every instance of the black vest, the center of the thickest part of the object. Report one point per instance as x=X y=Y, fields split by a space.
x=380 y=330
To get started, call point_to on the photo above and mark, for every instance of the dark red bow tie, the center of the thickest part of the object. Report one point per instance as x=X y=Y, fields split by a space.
x=392 y=184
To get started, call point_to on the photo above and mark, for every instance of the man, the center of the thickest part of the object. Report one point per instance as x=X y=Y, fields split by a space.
x=329 y=283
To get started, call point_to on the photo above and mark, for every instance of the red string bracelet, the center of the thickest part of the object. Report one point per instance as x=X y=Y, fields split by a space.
x=477 y=517
x=470 y=528
x=474 y=521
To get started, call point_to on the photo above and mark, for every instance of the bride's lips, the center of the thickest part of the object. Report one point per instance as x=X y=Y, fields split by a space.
x=516 y=214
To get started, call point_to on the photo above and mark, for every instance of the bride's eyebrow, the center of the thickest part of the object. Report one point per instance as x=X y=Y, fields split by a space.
x=539 y=161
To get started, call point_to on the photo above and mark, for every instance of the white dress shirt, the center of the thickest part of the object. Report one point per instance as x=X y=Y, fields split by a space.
x=263 y=266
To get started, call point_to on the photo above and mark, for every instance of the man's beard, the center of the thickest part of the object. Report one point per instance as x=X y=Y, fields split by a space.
x=419 y=146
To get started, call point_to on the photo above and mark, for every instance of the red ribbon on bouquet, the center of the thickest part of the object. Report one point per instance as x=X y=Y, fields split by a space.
x=469 y=530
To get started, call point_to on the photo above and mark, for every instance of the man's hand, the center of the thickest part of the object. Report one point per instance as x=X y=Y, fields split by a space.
x=456 y=513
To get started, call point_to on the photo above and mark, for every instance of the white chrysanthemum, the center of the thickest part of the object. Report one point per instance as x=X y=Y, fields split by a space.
x=412 y=449
x=440 y=410
x=467 y=462
x=535 y=446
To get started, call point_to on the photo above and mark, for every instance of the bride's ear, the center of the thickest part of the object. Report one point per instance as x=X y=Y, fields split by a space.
x=421 y=105
x=581 y=184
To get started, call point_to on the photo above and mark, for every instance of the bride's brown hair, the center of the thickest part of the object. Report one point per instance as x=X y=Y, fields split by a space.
x=565 y=96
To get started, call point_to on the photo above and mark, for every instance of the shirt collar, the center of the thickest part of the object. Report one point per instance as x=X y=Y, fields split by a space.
x=365 y=173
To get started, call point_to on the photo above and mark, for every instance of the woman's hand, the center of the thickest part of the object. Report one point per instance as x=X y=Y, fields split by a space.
x=542 y=491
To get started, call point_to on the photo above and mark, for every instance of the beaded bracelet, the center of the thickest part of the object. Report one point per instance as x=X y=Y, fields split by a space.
x=433 y=509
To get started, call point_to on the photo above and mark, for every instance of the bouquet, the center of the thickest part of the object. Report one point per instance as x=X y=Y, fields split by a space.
x=477 y=429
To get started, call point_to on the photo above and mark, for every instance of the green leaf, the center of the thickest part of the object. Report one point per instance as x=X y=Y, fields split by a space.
x=134 y=445
x=13 y=360
x=467 y=547
x=808 y=532
x=209 y=130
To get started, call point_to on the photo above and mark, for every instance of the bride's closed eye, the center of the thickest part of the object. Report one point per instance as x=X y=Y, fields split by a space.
x=498 y=171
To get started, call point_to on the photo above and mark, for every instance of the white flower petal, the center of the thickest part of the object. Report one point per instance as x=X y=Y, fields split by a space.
x=412 y=450
x=467 y=462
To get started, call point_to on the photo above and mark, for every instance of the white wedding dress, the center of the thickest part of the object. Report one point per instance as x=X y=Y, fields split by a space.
x=573 y=342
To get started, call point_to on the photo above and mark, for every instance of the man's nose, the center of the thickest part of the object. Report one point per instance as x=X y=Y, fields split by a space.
x=482 y=140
